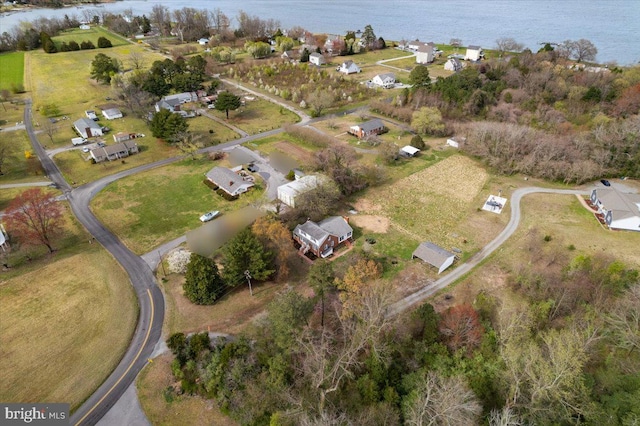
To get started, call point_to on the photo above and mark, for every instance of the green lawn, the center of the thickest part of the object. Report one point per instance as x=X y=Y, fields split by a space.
x=154 y=207
x=201 y=126
x=16 y=168
x=12 y=66
x=258 y=115
x=91 y=35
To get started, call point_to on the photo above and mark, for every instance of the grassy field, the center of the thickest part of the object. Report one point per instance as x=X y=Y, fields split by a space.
x=16 y=168
x=61 y=336
x=431 y=204
x=200 y=126
x=91 y=35
x=154 y=207
x=12 y=66
x=258 y=116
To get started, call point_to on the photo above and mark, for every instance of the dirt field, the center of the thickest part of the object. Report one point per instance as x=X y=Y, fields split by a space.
x=371 y=223
x=303 y=156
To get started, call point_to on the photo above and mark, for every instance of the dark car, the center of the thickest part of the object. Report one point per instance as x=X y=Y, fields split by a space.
x=252 y=168
x=605 y=182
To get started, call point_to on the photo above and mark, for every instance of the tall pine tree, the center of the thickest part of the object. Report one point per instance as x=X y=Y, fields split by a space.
x=246 y=253
x=203 y=284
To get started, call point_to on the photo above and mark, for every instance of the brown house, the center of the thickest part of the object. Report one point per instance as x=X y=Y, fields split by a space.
x=371 y=127
x=322 y=237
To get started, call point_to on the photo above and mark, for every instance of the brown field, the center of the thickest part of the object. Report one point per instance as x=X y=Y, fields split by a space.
x=371 y=223
x=303 y=156
x=62 y=336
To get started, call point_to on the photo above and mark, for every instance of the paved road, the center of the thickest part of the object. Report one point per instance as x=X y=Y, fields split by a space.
x=461 y=270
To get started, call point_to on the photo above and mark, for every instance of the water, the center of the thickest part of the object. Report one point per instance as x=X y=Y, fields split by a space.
x=612 y=25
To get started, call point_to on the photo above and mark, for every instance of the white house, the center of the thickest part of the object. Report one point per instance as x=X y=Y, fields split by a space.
x=453 y=64
x=203 y=41
x=409 y=151
x=387 y=80
x=230 y=182
x=620 y=210
x=112 y=113
x=87 y=128
x=425 y=54
x=456 y=141
x=317 y=59
x=474 y=53
x=434 y=256
x=85 y=27
x=173 y=102
x=288 y=192
x=349 y=67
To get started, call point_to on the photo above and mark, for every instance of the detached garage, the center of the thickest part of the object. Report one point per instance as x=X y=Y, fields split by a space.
x=434 y=255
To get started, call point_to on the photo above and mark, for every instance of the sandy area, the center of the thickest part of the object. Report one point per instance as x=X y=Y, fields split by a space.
x=376 y=224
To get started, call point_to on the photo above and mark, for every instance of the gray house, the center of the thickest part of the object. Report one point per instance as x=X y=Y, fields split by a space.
x=620 y=210
x=371 y=127
x=321 y=238
x=434 y=256
x=230 y=182
x=114 y=152
x=87 y=128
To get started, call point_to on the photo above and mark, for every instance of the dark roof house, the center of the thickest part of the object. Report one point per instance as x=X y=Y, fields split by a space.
x=230 y=182
x=323 y=237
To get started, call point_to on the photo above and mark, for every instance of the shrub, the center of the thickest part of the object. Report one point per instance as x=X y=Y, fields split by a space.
x=104 y=42
x=178 y=260
x=73 y=45
x=87 y=45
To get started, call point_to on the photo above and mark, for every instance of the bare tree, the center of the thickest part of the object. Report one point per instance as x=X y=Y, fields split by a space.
x=624 y=320
x=161 y=17
x=508 y=44
x=36 y=217
x=5 y=96
x=505 y=417
x=5 y=151
x=136 y=59
x=50 y=129
x=584 y=50
x=441 y=400
x=319 y=101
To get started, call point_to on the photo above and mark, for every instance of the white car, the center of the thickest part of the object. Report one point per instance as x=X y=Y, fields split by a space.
x=85 y=149
x=209 y=215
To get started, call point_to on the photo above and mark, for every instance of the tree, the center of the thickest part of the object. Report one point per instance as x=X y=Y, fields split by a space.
x=136 y=59
x=304 y=56
x=284 y=43
x=624 y=320
x=508 y=44
x=319 y=101
x=584 y=50
x=203 y=284
x=5 y=96
x=73 y=45
x=36 y=217
x=319 y=202
x=103 y=67
x=161 y=16
x=276 y=238
x=50 y=129
x=258 y=49
x=5 y=151
x=288 y=313
x=322 y=280
x=417 y=142
x=227 y=101
x=461 y=328
x=87 y=45
x=50 y=110
x=427 y=120
x=244 y=253
x=354 y=285
x=419 y=77
x=438 y=400
x=166 y=125
x=104 y=42
x=369 y=38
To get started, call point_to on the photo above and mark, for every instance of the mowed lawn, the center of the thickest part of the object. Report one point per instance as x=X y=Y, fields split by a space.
x=92 y=35
x=16 y=168
x=258 y=115
x=11 y=69
x=64 y=327
x=154 y=207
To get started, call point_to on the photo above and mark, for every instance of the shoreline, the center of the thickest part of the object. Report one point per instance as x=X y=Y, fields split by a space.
x=10 y=10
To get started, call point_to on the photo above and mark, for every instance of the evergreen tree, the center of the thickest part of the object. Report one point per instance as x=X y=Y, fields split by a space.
x=104 y=42
x=227 y=101
x=245 y=253
x=203 y=284
x=165 y=124
x=103 y=67
x=419 y=77
x=304 y=57
x=369 y=37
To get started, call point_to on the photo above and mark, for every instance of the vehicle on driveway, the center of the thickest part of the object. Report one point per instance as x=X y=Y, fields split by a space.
x=209 y=216
x=85 y=149
x=252 y=168
x=605 y=182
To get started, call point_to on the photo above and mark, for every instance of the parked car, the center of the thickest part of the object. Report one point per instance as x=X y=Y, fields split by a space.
x=211 y=106
x=85 y=149
x=252 y=168
x=101 y=144
x=209 y=215
x=605 y=182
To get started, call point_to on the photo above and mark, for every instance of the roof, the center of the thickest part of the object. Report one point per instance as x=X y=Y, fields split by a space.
x=313 y=230
x=623 y=204
x=347 y=64
x=411 y=150
x=83 y=123
x=474 y=48
x=299 y=186
x=371 y=125
x=226 y=179
x=455 y=61
x=335 y=225
x=386 y=75
x=111 y=111
x=114 y=149
x=315 y=55
x=432 y=254
x=425 y=48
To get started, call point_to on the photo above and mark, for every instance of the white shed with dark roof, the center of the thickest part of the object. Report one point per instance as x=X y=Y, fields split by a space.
x=434 y=256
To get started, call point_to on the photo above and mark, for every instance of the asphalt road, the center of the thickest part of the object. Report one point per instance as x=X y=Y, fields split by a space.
x=466 y=267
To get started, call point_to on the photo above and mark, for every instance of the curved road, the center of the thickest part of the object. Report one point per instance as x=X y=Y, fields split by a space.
x=151 y=302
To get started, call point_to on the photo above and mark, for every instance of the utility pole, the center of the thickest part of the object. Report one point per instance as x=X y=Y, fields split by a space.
x=248 y=275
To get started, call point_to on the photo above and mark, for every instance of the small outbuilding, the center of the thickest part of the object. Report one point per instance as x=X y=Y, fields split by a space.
x=317 y=59
x=409 y=151
x=474 y=53
x=112 y=113
x=456 y=141
x=453 y=64
x=289 y=192
x=434 y=255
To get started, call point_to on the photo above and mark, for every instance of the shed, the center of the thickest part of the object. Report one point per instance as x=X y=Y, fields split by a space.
x=112 y=113
x=409 y=150
x=456 y=141
x=288 y=192
x=434 y=256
